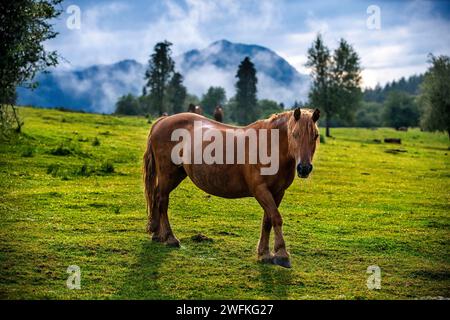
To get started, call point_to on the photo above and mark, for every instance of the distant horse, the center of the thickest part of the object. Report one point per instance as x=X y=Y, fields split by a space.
x=195 y=109
x=298 y=136
x=218 y=114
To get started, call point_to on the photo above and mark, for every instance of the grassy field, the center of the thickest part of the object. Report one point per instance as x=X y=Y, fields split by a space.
x=72 y=194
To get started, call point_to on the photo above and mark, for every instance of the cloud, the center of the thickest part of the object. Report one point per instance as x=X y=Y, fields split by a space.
x=200 y=79
x=408 y=33
x=113 y=31
x=101 y=87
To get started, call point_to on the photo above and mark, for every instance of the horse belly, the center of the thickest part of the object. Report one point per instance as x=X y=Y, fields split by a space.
x=219 y=180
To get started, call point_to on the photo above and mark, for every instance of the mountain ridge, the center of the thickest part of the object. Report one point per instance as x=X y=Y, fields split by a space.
x=96 y=88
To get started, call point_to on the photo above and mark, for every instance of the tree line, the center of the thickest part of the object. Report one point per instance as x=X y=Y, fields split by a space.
x=336 y=81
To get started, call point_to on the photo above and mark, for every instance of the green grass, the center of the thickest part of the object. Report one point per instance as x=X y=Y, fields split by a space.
x=72 y=194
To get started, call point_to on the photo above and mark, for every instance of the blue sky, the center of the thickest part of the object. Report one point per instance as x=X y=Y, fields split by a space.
x=116 y=30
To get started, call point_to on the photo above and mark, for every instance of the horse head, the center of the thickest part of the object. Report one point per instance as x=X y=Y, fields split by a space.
x=303 y=136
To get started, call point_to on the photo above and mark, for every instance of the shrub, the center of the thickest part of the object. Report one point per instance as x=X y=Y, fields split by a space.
x=61 y=150
x=107 y=167
x=84 y=171
x=28 y=153
x=96 y=142
x=53 y=169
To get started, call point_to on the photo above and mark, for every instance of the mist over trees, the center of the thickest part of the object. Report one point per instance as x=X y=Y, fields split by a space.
x=336 y=76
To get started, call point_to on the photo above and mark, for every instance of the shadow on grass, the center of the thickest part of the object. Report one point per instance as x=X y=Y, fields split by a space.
x=275 y=280
x=143 y=279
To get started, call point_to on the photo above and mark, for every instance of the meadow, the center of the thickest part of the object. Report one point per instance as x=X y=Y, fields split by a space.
x=72 y=194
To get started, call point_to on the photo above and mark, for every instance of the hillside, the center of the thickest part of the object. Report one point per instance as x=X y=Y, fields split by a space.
x=215 y=65
x=72 y=195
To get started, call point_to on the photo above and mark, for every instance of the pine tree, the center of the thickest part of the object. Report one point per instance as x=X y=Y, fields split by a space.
x=176 y=93
x=159 y=72
x=336 y=80
x=346 y=81
x=319 y=60
x=246 y=102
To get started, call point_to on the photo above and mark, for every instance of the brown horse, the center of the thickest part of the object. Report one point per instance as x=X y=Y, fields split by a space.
x=297 y=138
x=195 y=109
x=218 y=114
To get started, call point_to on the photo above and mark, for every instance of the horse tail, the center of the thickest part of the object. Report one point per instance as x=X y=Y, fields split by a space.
x=150 y=183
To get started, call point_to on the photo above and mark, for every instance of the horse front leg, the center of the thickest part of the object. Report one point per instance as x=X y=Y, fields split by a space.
x=281 y=256
x=270 y=206
x=264 y=254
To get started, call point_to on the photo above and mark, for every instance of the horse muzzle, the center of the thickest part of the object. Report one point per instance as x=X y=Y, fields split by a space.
x=303 y=170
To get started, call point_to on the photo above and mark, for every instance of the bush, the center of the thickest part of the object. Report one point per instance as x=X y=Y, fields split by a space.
x=128 y=105
x=61 y=150
x=322 y=139
x=107 y=167
x=53 y=169
x=96 y=142
x=28 y=153
x=400 y=110
x=84 y=171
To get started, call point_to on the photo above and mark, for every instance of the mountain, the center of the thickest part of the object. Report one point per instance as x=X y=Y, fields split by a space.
x=93 y=89
x=217 y=65
x=97 y=88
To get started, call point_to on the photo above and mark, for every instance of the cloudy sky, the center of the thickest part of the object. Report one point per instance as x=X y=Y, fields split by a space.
x=115 y=30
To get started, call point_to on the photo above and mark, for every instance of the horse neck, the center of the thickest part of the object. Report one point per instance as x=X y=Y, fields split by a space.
x=279 y=122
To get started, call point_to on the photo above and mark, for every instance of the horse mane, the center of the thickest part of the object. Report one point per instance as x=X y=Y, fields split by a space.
x=286 y=121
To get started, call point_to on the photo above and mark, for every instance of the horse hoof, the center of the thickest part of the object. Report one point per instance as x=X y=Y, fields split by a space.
x=282 y=261
x=156 y=238
x=173 y=242
x=266 y=259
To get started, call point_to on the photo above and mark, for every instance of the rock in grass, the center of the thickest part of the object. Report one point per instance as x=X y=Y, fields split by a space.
x=201 y=238
x=393 y=140
x=394 y=151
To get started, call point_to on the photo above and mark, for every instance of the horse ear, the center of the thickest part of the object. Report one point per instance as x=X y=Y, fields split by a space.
x=297 y=114
x=316 y=115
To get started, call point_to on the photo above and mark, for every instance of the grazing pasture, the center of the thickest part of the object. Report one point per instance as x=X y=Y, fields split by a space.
x=72 y=194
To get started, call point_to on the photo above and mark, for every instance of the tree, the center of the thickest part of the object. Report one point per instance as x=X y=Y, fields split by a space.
x=346 y=80
x=159 y=72
x=24 y=26
x=128 y=105
x=335 y=80
x=246 y=103
x=191 y=99
x=176 y=93
x=369 y=115
x=212 y=98
x=268 y=107
x=435 y=97
x=400 y=110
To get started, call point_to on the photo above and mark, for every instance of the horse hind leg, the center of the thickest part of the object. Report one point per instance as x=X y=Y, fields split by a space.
x=166 y=184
